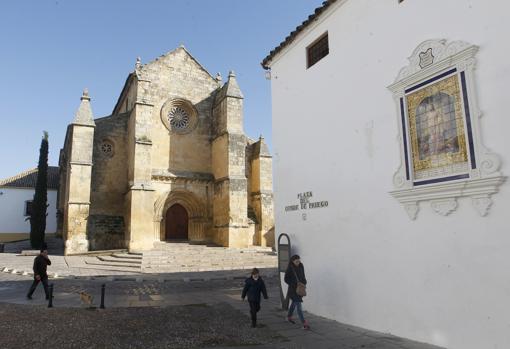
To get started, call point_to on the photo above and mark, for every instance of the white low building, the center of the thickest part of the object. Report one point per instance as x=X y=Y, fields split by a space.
x=390 y=159
x=16 y=196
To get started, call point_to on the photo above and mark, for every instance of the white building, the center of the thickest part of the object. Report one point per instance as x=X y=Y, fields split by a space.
x=16 y=195
x=390 y=172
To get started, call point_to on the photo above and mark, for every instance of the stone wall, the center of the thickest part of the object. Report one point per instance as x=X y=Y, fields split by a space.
x=109 y=171
x=105 y=232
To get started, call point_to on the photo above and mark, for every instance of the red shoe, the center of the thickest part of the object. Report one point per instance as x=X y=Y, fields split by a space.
x=306 y=326
x=291 y=320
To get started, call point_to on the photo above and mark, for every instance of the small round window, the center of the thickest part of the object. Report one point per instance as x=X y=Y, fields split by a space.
x=107 y=148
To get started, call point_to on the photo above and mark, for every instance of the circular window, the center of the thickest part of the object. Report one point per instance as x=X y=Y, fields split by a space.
x=107 y=148
x=179 y=116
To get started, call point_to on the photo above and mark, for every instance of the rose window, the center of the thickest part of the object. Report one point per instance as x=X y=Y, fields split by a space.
x=107 y=148
x=178 y=118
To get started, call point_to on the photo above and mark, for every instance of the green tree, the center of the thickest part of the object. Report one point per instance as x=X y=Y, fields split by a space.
x=40 y=203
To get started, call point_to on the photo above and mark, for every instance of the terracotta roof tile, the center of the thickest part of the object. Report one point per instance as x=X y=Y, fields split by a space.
x=28 y=179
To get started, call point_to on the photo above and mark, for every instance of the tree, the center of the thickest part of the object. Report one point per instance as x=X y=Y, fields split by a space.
x=40 y=203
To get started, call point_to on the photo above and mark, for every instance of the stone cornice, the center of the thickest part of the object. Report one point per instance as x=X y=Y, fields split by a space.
x=79 y=202
x=83 y=163
x=174 y=176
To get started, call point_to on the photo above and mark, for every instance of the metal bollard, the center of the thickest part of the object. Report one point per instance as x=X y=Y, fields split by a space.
x=103 y=286
x=50 y=301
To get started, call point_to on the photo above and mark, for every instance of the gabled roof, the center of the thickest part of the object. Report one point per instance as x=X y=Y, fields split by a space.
x=174 y=51
x=139 y=71
x=290 y=38
x=28 y=179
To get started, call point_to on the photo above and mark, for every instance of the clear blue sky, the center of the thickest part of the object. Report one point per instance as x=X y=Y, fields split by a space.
x=51 y=50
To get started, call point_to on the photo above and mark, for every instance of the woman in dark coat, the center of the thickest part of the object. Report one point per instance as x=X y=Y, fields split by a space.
x=295 y=273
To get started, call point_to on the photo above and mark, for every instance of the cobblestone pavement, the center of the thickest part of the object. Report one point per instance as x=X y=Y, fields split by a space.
x=191 y=326
x=221 y=295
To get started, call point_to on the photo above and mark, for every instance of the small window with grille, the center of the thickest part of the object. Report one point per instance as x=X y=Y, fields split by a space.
x=28 y=208
x=318 y=50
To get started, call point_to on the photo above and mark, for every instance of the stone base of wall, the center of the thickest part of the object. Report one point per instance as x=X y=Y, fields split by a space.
x=105 y=232
x=11 y=237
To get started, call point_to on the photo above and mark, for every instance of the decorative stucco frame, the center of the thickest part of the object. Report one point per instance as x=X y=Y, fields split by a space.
x=430 y=61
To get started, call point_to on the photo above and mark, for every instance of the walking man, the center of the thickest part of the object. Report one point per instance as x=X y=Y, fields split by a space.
x=41 y=263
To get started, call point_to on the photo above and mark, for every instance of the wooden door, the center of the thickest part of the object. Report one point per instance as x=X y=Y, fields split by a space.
x=176 y=223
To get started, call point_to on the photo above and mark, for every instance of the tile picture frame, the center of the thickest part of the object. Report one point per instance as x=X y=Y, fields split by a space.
x=442 y=154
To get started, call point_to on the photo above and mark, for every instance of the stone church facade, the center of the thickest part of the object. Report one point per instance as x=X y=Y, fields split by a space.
x=172 y=162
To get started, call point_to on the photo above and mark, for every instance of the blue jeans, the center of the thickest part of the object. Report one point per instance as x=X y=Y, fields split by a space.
x=297 y=305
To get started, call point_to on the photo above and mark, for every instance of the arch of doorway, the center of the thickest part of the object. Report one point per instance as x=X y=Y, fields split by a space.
x=195 y=208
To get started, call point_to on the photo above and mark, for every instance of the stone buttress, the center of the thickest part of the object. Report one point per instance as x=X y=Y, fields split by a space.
x=79 y=143
x=230 y=199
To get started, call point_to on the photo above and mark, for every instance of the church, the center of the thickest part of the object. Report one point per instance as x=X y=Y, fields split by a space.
x=171 y=163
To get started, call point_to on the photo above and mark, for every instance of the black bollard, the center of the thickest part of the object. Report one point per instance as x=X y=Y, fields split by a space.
x=50 y=300
x=103 y=286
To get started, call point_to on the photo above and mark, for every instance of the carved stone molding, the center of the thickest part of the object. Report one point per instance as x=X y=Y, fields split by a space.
x=479 y=177
x=482 y=204
x=444 y=207
x=412 y=209
x=478 y=190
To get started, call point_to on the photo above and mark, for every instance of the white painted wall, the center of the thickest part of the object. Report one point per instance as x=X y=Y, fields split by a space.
x=441 y=280
x=12 y=210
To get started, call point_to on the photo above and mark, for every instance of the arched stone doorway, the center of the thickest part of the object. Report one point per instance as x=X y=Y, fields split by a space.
x=196 y=210
x=176 y=221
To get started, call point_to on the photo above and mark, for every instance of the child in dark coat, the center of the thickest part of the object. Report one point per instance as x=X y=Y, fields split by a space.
x=253 y=287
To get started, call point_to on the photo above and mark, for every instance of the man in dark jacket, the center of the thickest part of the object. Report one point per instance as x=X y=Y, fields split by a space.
x=41 y=263
x=253 y=287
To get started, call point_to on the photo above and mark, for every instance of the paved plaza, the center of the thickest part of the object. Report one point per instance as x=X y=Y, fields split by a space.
x=201 y=310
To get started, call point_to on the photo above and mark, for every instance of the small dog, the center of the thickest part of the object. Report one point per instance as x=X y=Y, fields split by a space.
x=86 y=299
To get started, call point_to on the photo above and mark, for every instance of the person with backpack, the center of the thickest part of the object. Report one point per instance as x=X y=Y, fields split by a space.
x=295 y=278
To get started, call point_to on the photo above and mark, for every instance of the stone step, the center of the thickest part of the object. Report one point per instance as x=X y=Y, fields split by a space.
x=210 y=257
x=208 y=253
x=132 y=256
x=219 y=265
x=185 y=257
x=114 y=264
x=124 y=260
x=170 y=269
x=207 y=263
x=184 y=246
